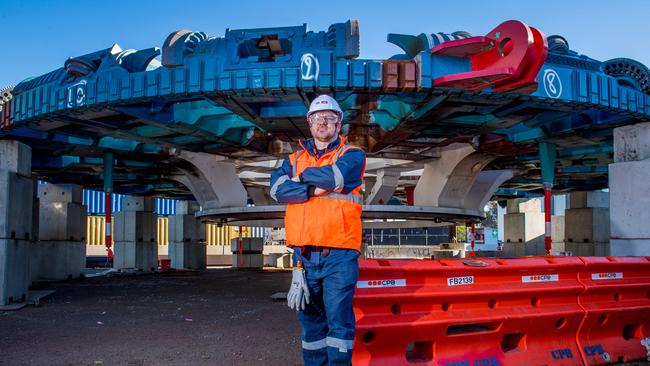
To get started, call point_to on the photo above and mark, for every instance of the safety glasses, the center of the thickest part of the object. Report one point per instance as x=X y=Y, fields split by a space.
x=323 y=120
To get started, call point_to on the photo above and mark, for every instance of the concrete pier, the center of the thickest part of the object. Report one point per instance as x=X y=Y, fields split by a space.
x=629 y=188
x=135 y=235
x=524 y=228
x=187 y=246
x=16 y=217
x=587 y=224
x=251 y=256
x=60 y=251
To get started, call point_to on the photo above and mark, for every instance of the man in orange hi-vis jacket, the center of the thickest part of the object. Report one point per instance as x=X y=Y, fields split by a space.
x=320 y=183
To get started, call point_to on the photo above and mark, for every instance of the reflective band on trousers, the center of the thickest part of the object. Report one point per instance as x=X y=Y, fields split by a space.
x=342 y=344
x=339 y=196
x=312 y=346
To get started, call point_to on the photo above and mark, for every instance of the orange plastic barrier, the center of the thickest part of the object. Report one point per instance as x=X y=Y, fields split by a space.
x=617 y=309
x=454 y=312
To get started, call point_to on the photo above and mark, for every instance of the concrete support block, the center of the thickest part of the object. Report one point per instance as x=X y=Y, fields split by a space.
x=525 y=205
x=16 y=157
x=632 y=143
x=629 y=188
x=16 y=196
x=16 y=216
x=582 y=199
x=188 y=255
x=135 y=239
x=248 y=260
x=132 y=203
x=513 y=249
x=57 y=260
x=524 y=227
x=557 y=248
x=15 y=275
x=586 y=225
x=187 y=207
x=48 y=193
x=135 y=226
x=185 y=228
x=538 y=247
x=622 y=247
x=524 y=233
x=588 y=249
x=142 y=256
x=62 y=221
x=557 y=229
x=187 y=247
x=251 y=245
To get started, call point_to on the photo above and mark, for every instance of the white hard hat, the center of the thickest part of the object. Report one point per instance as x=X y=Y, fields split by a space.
x=324 y=103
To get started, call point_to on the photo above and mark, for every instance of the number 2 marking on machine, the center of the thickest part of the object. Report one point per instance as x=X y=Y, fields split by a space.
x=309 y=67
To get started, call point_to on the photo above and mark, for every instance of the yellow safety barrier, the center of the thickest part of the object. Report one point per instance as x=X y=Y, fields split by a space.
x=96 y=231
x=162 y=232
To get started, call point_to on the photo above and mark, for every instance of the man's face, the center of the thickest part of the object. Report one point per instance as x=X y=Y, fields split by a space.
x=324 y=125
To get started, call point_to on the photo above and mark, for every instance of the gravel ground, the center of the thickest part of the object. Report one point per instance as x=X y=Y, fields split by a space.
x=215 y=317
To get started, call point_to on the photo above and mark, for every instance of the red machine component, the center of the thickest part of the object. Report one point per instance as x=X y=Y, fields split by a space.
x=617 y=309
x=399 y=75
x=507 y=59
x=468 y=312
x=4 y=116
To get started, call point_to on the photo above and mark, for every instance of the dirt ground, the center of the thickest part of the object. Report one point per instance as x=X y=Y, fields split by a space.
x=215 y=317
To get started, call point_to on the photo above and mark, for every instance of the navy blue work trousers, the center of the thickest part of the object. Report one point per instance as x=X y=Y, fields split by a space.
x=328 y=320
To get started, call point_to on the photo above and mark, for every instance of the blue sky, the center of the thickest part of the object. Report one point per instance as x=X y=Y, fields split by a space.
x=38 y=35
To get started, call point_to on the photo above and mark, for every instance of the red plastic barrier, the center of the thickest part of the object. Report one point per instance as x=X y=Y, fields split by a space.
x=468 y=312
x=617 y=309
x=506 y=59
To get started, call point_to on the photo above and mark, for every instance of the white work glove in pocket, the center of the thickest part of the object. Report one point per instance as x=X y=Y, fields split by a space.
x=298 y=296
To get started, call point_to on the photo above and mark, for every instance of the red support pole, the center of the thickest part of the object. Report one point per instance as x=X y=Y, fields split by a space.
x=109 y=238
x=471 y=254
x=241 y=247
x=410 y=190
x=547 y=218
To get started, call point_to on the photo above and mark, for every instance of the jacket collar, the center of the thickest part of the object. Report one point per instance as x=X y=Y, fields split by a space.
x=310 y=146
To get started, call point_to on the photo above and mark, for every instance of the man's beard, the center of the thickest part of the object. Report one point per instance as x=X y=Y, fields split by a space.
x=325 y=137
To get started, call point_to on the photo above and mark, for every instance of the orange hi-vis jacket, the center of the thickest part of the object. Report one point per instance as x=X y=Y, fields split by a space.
x=330 y=220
